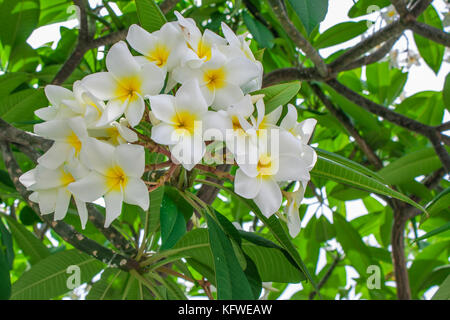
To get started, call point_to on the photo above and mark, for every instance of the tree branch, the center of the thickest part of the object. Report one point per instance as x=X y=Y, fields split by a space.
x=429 y=32
x=298 y=38
x=345 y=121
x=400 y=7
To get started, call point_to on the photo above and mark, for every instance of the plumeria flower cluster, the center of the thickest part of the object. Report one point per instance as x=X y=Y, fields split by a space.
x=195 y=88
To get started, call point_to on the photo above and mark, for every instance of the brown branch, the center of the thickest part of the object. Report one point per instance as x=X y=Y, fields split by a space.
x=298 y=38
x=327 y=275
x=346 y=123
x=290 y=74
x=398 y=255
x=65 y=231
x=215 y=171
x=429 y=32
x=443 y=127
x=400 y=7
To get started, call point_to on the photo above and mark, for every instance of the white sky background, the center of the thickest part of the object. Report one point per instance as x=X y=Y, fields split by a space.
x=420 y=78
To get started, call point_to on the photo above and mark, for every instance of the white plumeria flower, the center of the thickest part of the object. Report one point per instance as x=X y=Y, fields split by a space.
x=302 y=131
x=183 y=120
x=50 y=189
x=238 y=47
x=164 y=47
x=220 y=78
x=69 y=136
x=124 y=85
x=116 y=175
x=115 y=133
x=259 y=181
x=58 y=109
x=200 y=45
x=294 y=200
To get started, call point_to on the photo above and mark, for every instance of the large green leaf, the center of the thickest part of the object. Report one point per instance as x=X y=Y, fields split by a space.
x=420 y=162
x=262 y=35
x=6 y=244
x=270 y=259
x=434 y=232
x=431 y=52
x=173 y=225
x=19 y=107
x=5 y=280
x=150 y=16
x=335 y=171
x=446 y=92
x=443 y=292
x=363 y=7
x=340 y=33
x=30 y=245
x=278 y=95
x=310 y=12
x=231 y=280
x=440 y=202
x=10 y=81
x=48 y=278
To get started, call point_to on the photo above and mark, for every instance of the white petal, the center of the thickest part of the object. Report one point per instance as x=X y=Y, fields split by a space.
x=97 y=155
x=269 y=197
x=136 y=193
x=62 y=203
x=56 y=94
x=189 y=97
x=293 y=217
x=89 y=188
x=163 y=107
x=47 y=113
x=55 y=156
x=292 y=168
x=120 y=62
x=226 y=96
x=290 y=119
x=163 y=134
x=274 y=116
x=288 y=144
x=102 y=85
x=246 y=186
x=47 y=200
x=135 y=111
x=53 y=129
x=241 y=70
x=140 y=40
x=82 y=211
x=113 y=205
x=152 y=79
x=189 y=151
x=28 y=178
x=215 y=123
x=114 y=109
x=131 y=158
x=305 y=129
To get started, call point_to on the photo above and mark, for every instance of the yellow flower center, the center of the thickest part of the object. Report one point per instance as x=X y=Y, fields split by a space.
x=114 y=135
x=265 y=166
x=184 y=121
x=116 y=179
x=215 y=78
x=128 y=88
x=237 y=125
x=203 y=50
x=66 y=178
x=73 y=140
x=159 y=55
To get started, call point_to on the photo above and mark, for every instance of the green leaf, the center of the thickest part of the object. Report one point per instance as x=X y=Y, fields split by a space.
x=363 y=7
x=10 y=81
x=411 y=165
x=340 y=33
x=272 y=262
x=48 y=278
x=434 y=232
x=278 y=95
x=431 y=52
x=310 y=12
x=262 y=35
x=335 y=171
x=19 y=107
x=6 y=244
x=348 y=163
x=156 y=198
x=446 y=92
x=231 y=280
x=440 y=202
x=5 y=280
x=28 y=217
x=30 y=245
x=106 y=288
x=443 y=292
x=150 y=15
x=173 y=225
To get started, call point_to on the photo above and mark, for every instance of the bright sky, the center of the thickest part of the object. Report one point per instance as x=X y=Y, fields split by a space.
x=421 y=78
